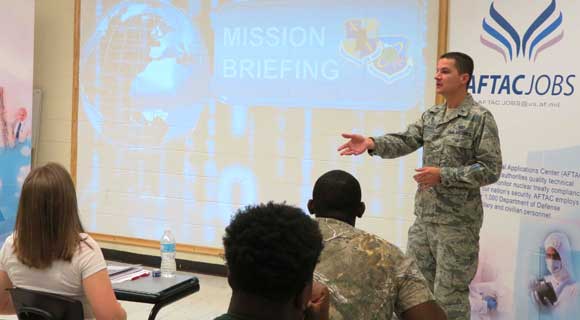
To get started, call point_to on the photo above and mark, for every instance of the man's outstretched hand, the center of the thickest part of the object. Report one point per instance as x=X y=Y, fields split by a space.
x=357 y=144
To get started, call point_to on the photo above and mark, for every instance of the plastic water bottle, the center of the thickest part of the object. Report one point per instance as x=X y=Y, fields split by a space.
x=168 y=254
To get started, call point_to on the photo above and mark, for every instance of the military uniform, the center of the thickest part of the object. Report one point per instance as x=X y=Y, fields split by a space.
x=368 y=278
x=464 y=143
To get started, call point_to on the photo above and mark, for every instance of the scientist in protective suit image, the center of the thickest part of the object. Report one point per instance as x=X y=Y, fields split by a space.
x=557 y=292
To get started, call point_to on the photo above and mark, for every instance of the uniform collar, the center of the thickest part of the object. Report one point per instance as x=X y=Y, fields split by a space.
x=463 y=108
x=334 y=222
x=332 y=229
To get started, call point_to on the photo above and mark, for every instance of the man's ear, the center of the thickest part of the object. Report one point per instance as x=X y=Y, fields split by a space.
x=464 y=78
x=361 y=209
x=303 y=297
x=310 y=206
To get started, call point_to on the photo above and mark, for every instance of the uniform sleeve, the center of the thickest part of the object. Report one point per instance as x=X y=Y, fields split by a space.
x=413 y=288
x=393 y=145
x=486 y=168
x=91 y=258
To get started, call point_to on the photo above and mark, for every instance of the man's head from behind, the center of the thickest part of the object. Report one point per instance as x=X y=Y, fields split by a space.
x=271 y=251
x=337 y=195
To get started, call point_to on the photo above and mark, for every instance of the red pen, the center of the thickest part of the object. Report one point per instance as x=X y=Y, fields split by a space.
x=140 y=276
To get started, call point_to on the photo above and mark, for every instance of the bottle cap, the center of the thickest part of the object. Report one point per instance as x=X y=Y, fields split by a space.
x=156 y=273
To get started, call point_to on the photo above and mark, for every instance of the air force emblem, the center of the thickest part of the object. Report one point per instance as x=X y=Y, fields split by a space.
x=394 y=62
x=361 y=44
x=385 y=57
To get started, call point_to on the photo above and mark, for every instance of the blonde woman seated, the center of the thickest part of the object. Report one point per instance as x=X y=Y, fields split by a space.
x=49 y=250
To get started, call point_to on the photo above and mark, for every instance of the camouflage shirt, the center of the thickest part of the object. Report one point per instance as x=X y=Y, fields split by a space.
x=465 y=145
x=368 y=277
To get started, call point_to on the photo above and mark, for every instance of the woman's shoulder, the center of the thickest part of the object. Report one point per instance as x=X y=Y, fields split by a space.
x=9 y=239
x=8 y=243
x=88 y=242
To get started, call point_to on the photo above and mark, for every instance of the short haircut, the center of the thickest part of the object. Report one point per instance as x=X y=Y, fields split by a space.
x=271 y=250
x=463 y=62
x=47 y=225
x=336 y=190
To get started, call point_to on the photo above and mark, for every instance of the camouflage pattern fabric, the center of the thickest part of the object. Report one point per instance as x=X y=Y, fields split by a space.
x=368 y=278
x=447 y=257
x=445 y=237
x=466 y=148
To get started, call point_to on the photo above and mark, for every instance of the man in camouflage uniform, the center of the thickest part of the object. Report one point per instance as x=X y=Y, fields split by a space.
x=461 y=154
x=368 y=278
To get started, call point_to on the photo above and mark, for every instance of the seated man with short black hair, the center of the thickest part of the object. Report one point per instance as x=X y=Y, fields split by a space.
x=368 y=278
x=271 y=251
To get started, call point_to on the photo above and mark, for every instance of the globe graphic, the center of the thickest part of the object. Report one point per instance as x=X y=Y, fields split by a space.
x=144 y=74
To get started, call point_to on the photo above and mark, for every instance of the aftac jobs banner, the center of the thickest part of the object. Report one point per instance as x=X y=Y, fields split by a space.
x=526 y=73
x=16 y=62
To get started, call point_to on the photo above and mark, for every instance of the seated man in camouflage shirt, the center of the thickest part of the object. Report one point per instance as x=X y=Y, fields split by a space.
x=368 y=277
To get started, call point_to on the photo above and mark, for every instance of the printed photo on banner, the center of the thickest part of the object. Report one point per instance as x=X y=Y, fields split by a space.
x=549 y=264
x=15 y=107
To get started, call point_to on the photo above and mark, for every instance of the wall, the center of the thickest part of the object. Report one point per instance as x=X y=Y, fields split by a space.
x=53 y=67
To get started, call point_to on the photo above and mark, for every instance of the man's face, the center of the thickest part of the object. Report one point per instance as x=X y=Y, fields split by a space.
x=21 y=114
x=447 y=78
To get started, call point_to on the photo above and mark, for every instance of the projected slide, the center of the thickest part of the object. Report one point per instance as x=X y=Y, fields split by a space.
x=191 y=109
x=308 y=53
